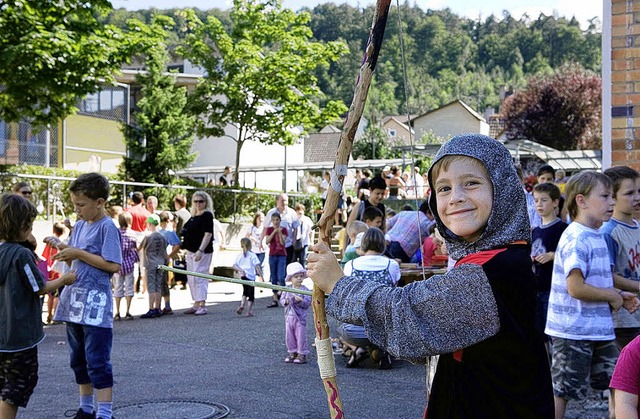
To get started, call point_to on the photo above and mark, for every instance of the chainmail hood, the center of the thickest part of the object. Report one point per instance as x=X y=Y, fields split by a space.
x=509 y=220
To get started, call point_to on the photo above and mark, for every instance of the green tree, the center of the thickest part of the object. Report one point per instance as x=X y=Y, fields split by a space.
x=159 y=141
x=375 y=143
x=259 y=77
x=52 y=53
x=563 y=111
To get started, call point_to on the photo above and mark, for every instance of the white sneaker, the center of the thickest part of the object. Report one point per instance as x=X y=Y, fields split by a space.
x=201 y=311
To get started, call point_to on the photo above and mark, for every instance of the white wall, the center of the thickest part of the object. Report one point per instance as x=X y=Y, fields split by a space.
x=450 y=121
x=221 y=151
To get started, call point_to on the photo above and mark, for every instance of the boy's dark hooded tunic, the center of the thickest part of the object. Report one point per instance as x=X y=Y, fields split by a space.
x=479 y=316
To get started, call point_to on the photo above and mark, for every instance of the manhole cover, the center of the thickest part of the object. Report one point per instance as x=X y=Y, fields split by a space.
x=178 y=409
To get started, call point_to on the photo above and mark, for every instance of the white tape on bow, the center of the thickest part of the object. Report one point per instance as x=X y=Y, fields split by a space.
x=340 y=170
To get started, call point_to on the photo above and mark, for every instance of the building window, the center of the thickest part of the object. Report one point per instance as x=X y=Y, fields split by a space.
x=392 y=133
x=107 y=103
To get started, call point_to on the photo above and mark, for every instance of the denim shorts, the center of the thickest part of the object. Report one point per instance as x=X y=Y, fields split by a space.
x=90 y=354
x=577 y=364
x=18 y=376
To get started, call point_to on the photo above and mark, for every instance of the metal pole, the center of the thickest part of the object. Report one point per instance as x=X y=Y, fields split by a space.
x=284 y=174
x=47 y=145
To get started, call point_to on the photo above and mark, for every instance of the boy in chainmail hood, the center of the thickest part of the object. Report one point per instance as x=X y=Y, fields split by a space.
x=479 y=317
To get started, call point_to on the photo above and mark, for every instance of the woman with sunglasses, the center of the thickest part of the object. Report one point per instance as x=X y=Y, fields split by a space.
x=196 y=240
x=24 y=189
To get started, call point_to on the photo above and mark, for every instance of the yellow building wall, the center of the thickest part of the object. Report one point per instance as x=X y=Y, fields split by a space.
x=95 y=144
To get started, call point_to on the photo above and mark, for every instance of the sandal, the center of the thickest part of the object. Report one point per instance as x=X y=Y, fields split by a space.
x=301 y=359
x=356 y=357
x=239 y=310
x=291 y=358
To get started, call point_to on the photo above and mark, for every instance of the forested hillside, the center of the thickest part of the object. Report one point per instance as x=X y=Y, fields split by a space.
x=447 y=56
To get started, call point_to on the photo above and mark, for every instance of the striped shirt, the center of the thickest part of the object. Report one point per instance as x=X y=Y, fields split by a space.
x=583 y=248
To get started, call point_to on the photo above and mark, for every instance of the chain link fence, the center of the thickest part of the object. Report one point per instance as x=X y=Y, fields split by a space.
x=51 y=196
x=20 y=143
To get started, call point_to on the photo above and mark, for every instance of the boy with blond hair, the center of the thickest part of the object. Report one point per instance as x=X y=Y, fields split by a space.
x=582 y=295
x=479 y=316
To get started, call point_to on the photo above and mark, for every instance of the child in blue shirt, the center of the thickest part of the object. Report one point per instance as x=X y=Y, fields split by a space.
x=173 y=247
x=544 y=241
x=94 y=252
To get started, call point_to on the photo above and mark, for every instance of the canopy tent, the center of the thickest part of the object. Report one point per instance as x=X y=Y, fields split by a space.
x=569 y=160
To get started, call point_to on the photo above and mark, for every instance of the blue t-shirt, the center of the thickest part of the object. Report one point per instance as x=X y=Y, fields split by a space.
x=89 y=300
x=170 y=236
x=545 y=238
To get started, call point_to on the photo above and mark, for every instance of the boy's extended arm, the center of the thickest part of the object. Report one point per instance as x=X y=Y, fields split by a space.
x=50 y=286
x=174 y=251
x=626 y=284
x=440 y=315
x=579 y=289
x=69 y=254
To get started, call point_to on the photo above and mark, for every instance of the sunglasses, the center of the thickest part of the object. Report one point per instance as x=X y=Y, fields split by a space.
x=198 y=201
x=26 y=192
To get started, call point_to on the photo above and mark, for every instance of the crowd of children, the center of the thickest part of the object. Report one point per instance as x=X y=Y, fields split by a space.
x=529 y=315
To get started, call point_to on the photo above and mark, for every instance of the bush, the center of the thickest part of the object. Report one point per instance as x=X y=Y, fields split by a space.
x=230 y=204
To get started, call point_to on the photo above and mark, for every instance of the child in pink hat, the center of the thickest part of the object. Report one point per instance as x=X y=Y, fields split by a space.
x=296 y=308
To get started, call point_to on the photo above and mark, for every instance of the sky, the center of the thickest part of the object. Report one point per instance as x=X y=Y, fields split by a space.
x=581 y=9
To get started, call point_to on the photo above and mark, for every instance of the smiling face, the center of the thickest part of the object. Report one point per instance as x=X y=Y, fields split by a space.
x=87 y=209
x=464 y=195
x=376 y=196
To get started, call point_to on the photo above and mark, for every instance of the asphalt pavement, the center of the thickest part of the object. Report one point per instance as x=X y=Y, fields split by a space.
x=221 y=358
x=225 y=365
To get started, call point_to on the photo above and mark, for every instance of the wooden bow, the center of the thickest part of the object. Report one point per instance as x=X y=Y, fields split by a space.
x=325 y=224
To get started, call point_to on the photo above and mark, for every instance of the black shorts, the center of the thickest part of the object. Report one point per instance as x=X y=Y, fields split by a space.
x=18 y=376
x=248 y=291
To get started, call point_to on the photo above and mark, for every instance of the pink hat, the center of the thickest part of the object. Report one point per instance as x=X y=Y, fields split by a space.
x=295 y=268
